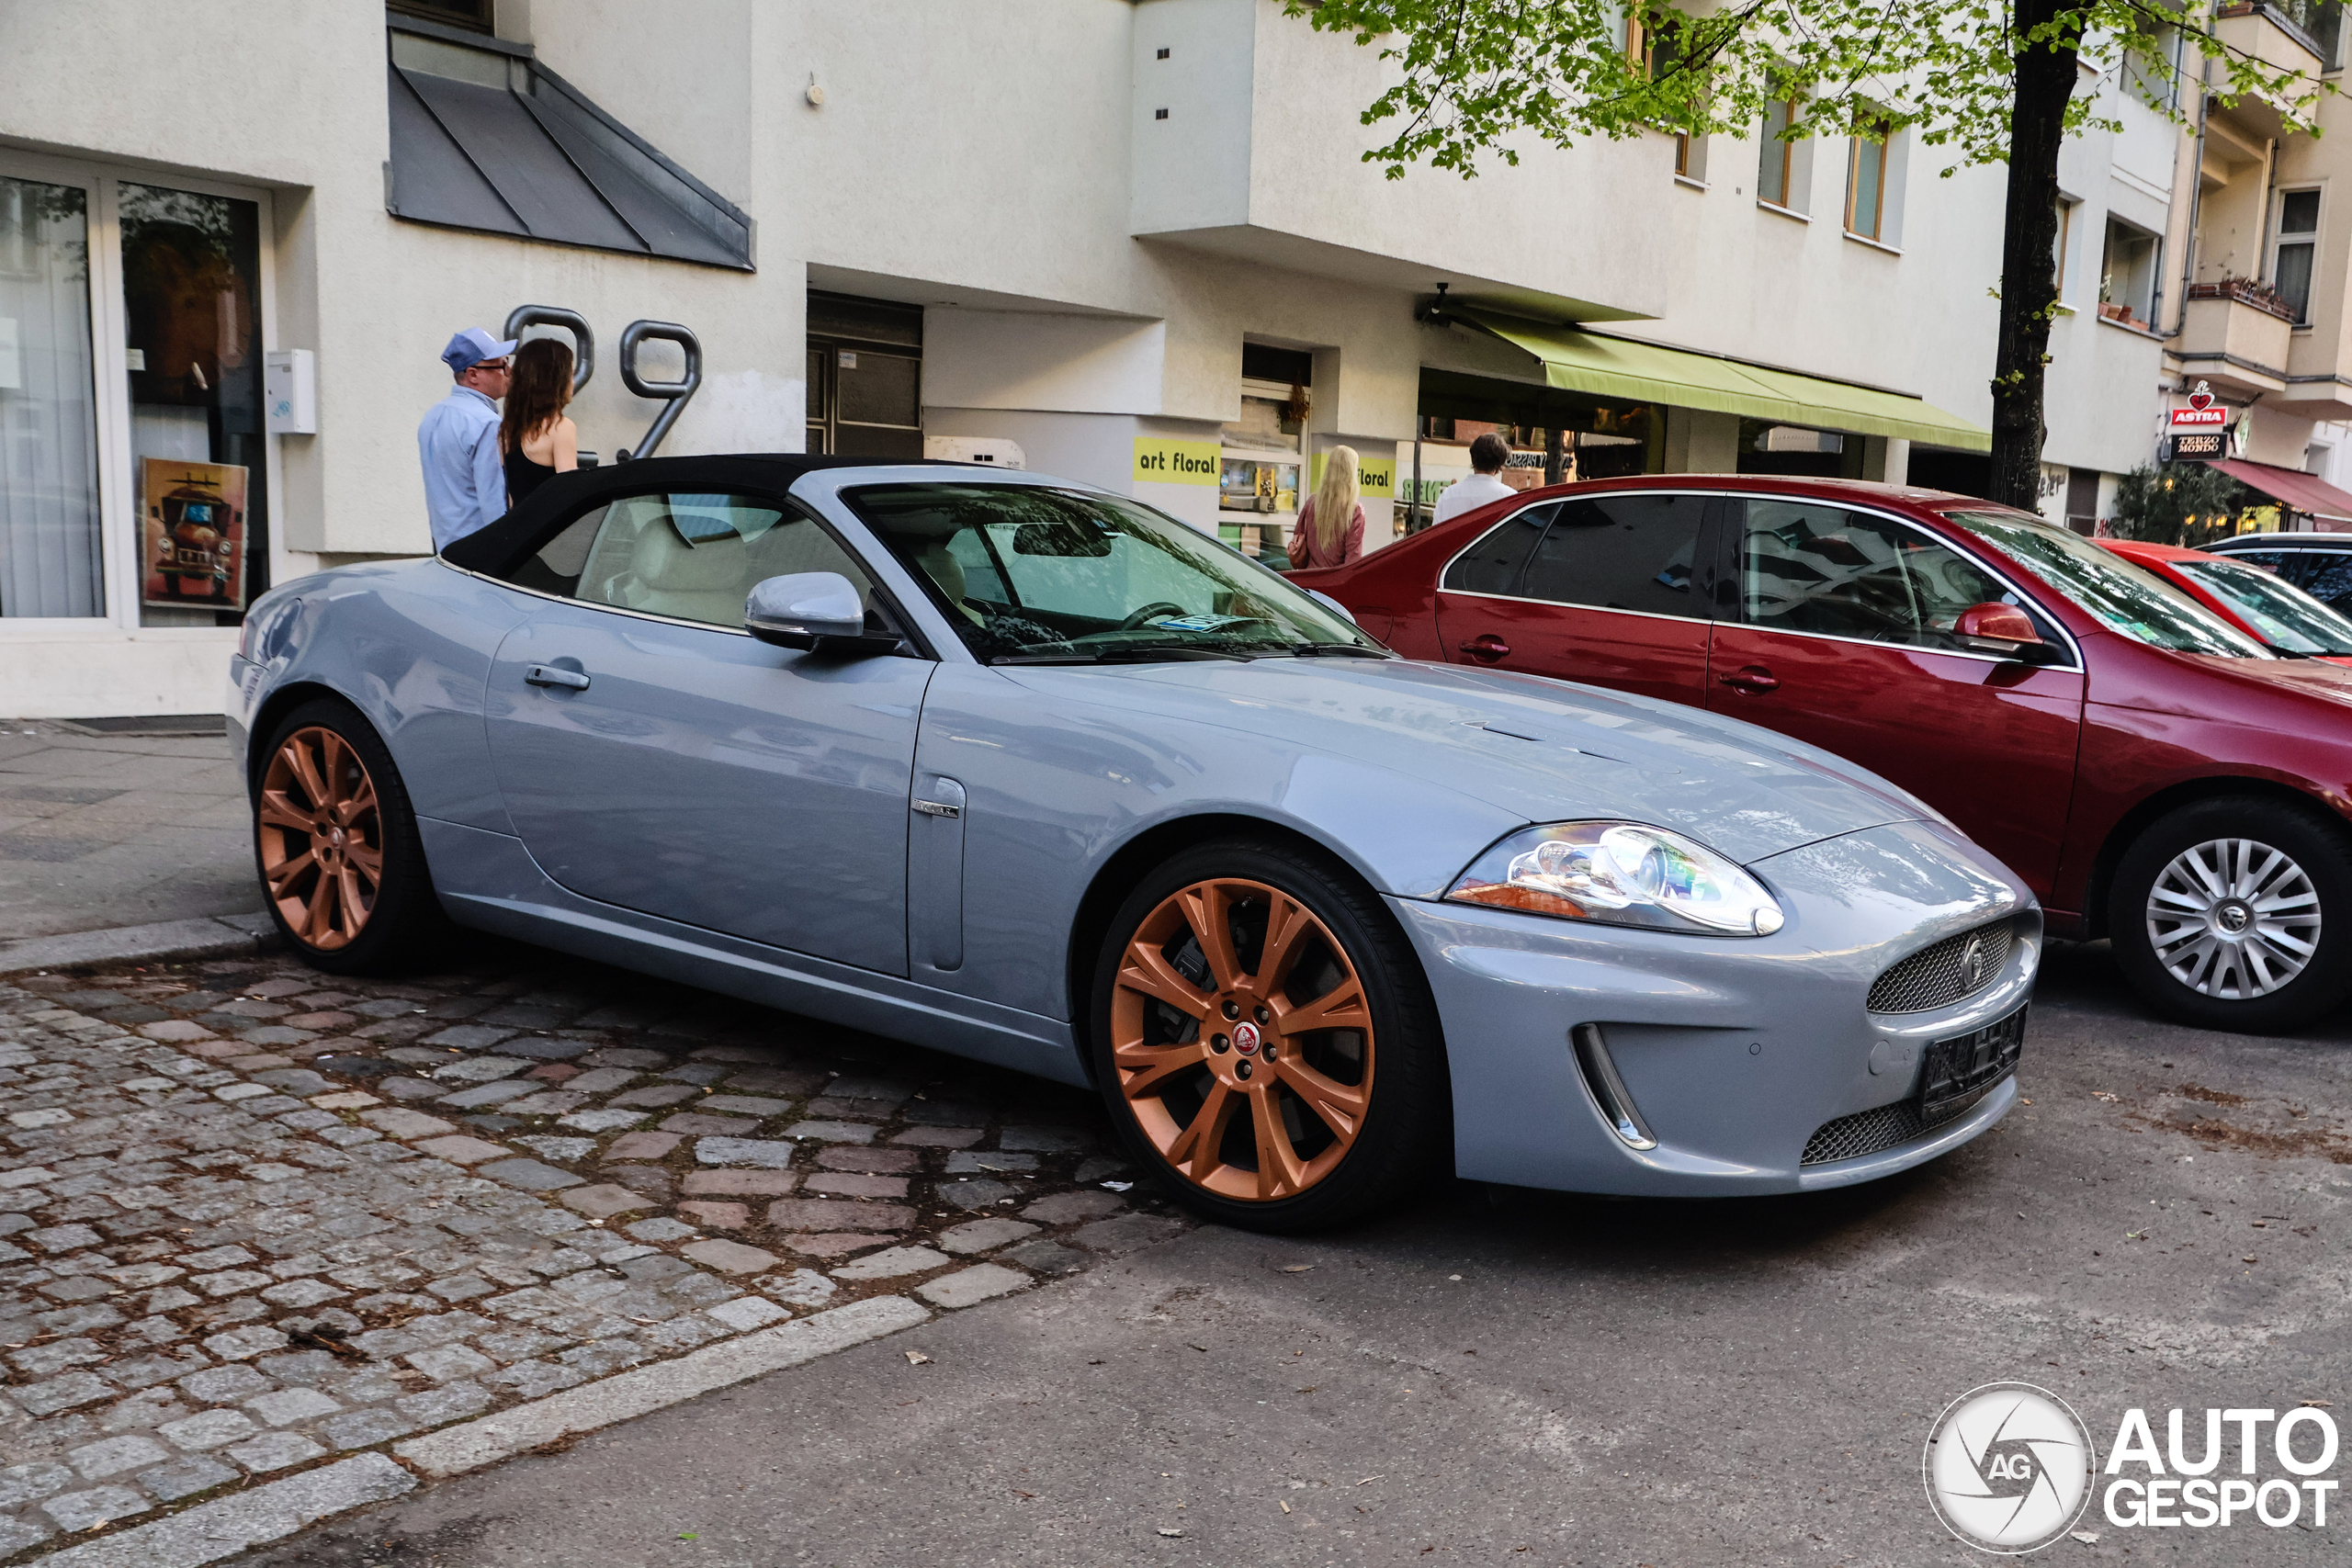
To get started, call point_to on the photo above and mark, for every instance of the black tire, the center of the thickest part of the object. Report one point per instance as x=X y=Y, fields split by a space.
x=355 y=924
x=2191 y=965
x=1403 y=1107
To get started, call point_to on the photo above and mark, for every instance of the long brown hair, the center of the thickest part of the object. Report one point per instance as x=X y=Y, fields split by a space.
x=541 y=385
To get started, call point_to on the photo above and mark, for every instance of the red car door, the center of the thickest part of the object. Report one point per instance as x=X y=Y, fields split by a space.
x=1843 y=638
x=1604 y=589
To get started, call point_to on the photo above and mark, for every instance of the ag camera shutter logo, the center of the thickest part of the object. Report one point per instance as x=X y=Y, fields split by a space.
x=2009 y=1467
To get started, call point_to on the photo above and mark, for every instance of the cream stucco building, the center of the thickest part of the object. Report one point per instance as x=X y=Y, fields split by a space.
x=1128 y=241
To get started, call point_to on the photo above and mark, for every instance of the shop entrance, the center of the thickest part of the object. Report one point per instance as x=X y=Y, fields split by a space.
x=865 y=378
x=1554 y=434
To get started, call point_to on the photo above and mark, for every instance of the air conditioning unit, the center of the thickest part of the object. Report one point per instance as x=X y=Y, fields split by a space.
x=996 y=451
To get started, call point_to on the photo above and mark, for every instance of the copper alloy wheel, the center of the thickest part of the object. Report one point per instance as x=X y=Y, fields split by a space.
x=322 y=837
x=1243 y=1040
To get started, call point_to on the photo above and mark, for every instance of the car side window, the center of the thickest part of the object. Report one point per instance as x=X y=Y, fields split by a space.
x=1492 y=565
x=2328 y=579
x=1809 y=567
x=1621 y=552
x=689 y=557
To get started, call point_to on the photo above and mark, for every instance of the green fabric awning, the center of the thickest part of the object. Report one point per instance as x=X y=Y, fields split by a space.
x=1580 y=361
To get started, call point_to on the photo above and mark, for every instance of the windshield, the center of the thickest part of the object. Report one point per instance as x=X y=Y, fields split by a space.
x=1035 y=575
x=2121 y=596
x=2283 y=614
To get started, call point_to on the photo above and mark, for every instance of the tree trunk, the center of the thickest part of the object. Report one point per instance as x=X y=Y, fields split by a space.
x=2045 y=81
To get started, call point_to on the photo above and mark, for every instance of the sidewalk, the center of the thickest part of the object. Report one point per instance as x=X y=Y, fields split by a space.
x=100 y=831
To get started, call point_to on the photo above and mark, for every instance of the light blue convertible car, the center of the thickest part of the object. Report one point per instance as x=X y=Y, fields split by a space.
x=1030 y=773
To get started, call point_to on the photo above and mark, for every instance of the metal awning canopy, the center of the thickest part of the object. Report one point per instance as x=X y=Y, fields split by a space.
x=484 y=137
x=1597 y=364
x=2301 y=491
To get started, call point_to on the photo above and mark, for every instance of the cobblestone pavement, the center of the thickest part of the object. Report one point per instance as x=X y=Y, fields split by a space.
x=253 y=1217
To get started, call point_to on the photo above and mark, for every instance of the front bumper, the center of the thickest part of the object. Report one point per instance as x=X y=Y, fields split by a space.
x=1735 y=1051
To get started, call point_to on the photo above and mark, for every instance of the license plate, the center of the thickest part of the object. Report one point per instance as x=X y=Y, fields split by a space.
x=1958 y=1071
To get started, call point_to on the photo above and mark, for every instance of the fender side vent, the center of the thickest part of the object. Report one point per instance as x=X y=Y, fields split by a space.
x=1608 y=1090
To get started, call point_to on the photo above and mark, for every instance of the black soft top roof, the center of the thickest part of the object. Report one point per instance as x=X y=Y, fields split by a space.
x=506 y=544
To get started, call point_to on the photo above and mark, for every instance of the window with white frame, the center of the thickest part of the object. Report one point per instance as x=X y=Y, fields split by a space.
x=2127 y=284
x=2293 y=246
x=134 y=479
x=2062 y=250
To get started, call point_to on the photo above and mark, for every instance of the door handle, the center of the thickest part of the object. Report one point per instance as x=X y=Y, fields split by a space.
x=1486 y=647
x=548 y=675
x=1753 y=679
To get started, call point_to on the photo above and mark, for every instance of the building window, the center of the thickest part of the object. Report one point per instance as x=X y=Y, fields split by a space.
x=1866 y=181
x=2062 y=250
x=474 y=16
x=1776 y=164
x=2292 y=250
x=2127 y=284
x=49 y=554
x=134 y=464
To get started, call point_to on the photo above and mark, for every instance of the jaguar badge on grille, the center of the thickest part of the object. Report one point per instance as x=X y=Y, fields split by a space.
x=1972 y=962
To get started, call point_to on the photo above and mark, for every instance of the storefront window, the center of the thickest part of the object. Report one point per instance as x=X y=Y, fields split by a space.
x=191 y=285
x=1259 y=474
x=49 y=555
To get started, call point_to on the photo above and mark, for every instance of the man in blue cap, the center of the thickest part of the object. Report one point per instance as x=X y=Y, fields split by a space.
x=465 y=473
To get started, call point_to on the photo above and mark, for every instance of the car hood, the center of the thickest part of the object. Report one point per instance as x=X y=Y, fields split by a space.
x=1548 y=750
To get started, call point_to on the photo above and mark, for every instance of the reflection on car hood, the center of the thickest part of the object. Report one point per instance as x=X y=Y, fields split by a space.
x=1545 y=750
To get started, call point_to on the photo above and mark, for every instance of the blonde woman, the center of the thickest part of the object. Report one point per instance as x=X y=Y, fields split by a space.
x=1330 y=526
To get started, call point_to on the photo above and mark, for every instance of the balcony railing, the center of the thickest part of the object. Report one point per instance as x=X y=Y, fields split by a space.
x=2246 y=291
x=2317 y=25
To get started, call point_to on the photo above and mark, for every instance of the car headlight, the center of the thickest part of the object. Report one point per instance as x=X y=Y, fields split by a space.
x=1622 y=873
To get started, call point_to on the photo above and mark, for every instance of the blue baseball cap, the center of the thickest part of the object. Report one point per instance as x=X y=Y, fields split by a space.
x=470 y=347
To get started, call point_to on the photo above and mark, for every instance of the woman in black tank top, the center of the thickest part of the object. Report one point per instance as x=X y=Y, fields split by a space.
x=534 y=418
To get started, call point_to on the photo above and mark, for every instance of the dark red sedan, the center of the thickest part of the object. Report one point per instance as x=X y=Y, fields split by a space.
x=2154 y=773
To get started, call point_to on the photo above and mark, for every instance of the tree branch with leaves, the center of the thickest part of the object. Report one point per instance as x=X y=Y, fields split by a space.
x=1987 y=81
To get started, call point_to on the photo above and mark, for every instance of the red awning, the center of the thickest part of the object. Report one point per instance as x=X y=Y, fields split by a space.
x=2302 y=491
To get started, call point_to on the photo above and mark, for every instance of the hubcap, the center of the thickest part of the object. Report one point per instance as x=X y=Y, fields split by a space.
x=1243 y=1040
x=2233 y=919
x=322 y=837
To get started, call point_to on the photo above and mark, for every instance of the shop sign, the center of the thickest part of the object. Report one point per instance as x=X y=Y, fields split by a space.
x=1375 y=478
x=2201 y=413
x=1164 y=461
x=2198 y=445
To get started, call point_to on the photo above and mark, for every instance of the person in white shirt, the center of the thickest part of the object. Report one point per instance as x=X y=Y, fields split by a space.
x=1487 y=455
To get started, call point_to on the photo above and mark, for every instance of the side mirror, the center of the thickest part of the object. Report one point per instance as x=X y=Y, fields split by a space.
x=1999 y=628
x=813 y=611
x=1333 y=605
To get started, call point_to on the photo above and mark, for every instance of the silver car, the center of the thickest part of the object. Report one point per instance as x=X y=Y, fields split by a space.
x=1032 y=773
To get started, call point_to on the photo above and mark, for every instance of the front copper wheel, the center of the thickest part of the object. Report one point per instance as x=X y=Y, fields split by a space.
x=1243 y=1040
x=321 y=836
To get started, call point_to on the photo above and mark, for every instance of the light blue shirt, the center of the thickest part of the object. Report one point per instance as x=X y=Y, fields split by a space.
x=465 y=473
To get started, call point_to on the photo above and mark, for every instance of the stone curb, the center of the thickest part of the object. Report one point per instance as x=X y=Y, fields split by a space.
x=208 y=936
x=214 y=1530
x=642 y=1390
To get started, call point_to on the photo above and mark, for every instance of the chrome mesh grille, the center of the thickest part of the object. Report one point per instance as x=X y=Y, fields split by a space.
x=1871 y=1132
x=1940 y=975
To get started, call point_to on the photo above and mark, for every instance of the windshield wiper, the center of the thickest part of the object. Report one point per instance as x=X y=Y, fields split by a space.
x=1338 y=650
x=1125 y=654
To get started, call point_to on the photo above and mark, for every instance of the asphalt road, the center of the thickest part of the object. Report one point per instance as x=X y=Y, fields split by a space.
x=1514 y=1378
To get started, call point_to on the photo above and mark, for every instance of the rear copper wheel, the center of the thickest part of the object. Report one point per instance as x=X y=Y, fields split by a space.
x=335 y=845
x=1255 y=1006
x=321 y=836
